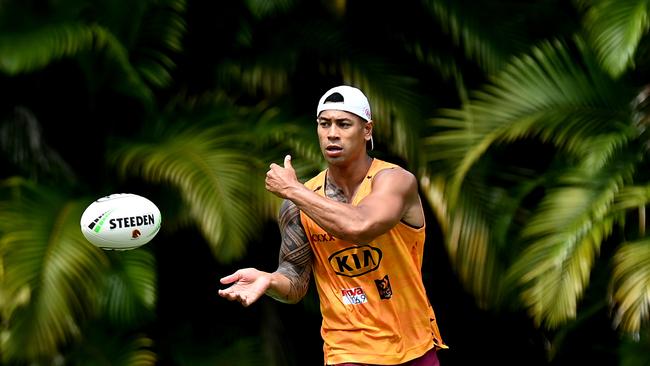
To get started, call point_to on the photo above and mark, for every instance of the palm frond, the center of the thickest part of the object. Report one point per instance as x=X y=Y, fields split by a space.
x=101 y=347
x=545 y=95
x=443 y=63
x=396 y=106
x=31 y=50
x=631 y=285
x=470 y=27
x=265 y=8
x=159 y=37
x=267 y=74
x=274 y=129
x=630 y=197
x=137 y=352
x=214 y=171
x=564 y=238
x=267 y=60
x=478 y=229
x=49 y=268
x=129 y=294
x=615 y=28
x=472 y=251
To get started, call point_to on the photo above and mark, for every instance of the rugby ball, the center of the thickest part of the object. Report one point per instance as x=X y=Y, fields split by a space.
x=121 y=221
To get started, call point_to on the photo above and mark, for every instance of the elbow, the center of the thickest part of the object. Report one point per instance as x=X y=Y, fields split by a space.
x=358 y=232
x=293 y=300
x=294 y=296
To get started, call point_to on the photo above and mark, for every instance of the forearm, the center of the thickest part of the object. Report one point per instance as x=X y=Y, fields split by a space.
x=290 y=281
x=340 y=219
x=287 y=288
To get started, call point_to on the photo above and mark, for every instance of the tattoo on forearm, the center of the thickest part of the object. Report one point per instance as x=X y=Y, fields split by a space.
x=295 y=252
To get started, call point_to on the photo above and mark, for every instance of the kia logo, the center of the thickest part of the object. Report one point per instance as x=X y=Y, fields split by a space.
x=355 y=261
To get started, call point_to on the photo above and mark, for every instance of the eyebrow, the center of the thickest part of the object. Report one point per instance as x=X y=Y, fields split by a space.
x=333 y=119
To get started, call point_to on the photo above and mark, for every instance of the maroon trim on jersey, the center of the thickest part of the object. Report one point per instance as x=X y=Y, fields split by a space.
x=428 y=359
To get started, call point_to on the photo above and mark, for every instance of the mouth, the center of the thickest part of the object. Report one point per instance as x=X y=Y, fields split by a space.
x=333 y=150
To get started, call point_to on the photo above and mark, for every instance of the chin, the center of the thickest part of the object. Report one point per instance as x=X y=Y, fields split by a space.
x=334 y=160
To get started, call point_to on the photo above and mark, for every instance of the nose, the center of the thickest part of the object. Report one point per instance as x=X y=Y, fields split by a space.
x=332 y=132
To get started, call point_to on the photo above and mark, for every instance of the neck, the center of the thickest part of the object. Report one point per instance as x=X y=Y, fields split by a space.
x=348 y=177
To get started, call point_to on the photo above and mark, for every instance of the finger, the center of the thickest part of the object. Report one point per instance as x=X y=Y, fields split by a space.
x=243 y=300
x=240 y=298
x=227 y=294
x=230 y=278
x=287 y=162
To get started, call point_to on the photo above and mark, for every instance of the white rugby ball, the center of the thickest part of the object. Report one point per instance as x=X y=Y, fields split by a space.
x=121 y=221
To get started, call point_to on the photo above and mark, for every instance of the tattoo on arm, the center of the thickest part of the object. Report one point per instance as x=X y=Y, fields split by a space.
x=295 y=252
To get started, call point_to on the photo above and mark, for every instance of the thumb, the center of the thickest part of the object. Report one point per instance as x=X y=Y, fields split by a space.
x=287 y=162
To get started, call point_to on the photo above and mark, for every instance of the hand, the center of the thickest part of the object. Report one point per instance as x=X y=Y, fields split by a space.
x=279 y=180
x=249 y=285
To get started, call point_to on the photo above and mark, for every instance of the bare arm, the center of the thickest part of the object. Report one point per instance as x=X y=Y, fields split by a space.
x=290 y=281
x=394 y=197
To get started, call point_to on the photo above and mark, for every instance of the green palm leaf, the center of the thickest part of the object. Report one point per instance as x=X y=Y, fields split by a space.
x=470 y=246
x=615 y=28
x=31 y=50
x=160 y=34
x=469 y=27
x=396 y=106
x=137 y=352
x=49 y=268
x=265 y=8
x=277 y=133
x=129 y=294
x=564 y=238
x=216 y=175
x=631 y=285
x=630 y=197
x=544 y=95
x=102 y=347
x=151 y=32
x=479 y=229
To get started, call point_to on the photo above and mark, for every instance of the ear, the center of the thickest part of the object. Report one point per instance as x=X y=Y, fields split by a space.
x=367 y=130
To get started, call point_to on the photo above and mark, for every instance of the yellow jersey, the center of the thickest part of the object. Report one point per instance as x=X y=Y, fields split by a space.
x=374 y=305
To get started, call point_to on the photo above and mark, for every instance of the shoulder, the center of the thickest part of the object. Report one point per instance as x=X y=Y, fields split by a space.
x=393 y=172
x=399 y=183
x=395 y=176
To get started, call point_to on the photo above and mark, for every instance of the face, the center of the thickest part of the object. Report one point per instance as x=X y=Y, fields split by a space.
x=342 y=136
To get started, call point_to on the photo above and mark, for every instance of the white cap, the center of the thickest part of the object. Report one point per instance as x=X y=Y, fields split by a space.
x=353 y=101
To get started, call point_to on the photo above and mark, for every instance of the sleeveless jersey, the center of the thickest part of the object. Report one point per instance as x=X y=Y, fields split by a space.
x=374 y=305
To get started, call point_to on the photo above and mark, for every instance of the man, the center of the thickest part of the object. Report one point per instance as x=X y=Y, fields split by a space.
x=359 y=225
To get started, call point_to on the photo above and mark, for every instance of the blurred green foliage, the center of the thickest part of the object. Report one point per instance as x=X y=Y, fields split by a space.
x=525 y=122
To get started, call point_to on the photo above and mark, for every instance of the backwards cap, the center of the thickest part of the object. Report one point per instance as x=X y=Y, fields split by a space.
x=351 y=100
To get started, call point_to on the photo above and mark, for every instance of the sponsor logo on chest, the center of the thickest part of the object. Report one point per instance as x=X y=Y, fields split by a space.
x=355 y=261
x=353 y=296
